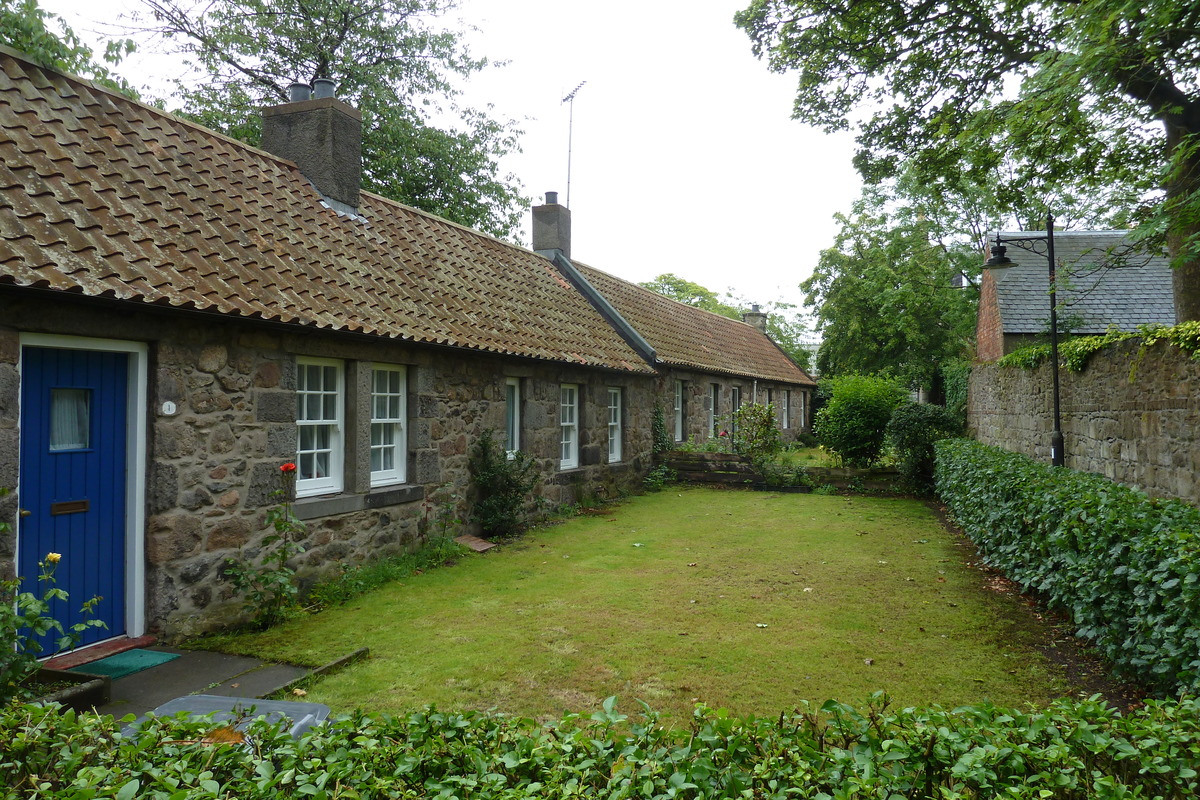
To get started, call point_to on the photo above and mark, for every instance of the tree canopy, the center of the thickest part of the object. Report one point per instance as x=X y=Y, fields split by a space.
x=785 y=324
x=47 y=39
x=892 y=297
x=390 y=60
x=1084 y=98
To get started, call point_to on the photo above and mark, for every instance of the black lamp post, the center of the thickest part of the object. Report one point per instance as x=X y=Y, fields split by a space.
x=1000 y=261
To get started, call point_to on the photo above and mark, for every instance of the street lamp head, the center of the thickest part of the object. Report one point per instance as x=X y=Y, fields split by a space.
x=998 y=261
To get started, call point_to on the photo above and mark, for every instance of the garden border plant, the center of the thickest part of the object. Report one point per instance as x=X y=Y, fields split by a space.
x=271 y=590
x=1071 y=749
x=1124 y=566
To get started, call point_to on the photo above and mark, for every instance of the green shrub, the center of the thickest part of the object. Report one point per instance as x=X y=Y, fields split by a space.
x=1073 y=749
x=658 y=478
x=503 y=483
x=912 y=431
x=853 y=423
x=756 y=432
x=1124 y=566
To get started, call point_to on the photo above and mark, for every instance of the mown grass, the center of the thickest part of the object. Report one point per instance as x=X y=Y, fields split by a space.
x=806 y=457
x=741 y=600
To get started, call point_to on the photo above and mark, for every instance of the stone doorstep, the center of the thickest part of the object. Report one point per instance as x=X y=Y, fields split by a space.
x=87 y=655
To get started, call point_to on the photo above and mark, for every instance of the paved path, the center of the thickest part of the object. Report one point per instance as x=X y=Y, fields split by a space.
x=195 y=672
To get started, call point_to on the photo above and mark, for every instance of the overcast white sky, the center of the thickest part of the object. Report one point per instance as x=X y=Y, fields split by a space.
x=685 y=159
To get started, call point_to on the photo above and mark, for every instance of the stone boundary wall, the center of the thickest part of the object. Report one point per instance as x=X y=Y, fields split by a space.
x=1134 y=420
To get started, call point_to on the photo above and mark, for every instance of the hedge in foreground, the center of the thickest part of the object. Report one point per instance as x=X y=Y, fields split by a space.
x=1125 y=566
x=1070 y=750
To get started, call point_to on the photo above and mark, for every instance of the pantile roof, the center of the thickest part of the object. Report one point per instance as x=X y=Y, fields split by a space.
x=688 y=337
x=102 y=196
x=1103 y=281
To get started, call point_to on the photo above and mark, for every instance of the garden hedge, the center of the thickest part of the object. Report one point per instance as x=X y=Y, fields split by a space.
x=1070 y=750
x=1125 y=566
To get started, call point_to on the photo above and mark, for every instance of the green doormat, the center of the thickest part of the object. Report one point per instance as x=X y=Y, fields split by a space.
x=126 y=663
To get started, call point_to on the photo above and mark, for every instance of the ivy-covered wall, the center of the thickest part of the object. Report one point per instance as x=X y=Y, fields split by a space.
x=1131 y=414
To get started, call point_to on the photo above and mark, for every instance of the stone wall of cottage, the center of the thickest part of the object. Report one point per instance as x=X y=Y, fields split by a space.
x=698 y=399
x=222 y=407
x=1133 y=418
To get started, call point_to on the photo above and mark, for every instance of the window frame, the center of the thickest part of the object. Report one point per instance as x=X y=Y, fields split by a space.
x=786 y=409
x=568 y=453
x=678 y=411
x=399 y=424
x=735 y=403
x=714 y=399
x=616 y=429
x=334 y=480
x=512 y=416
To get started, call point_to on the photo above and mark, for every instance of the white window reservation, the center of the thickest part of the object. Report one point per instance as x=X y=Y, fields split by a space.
x=319 y=420
x=678 y=411
x=568 y=418
x=734 y=404
x=614 y=424
x=512 y=416
x=786 y=410
x=803 y=410
x=388 y=425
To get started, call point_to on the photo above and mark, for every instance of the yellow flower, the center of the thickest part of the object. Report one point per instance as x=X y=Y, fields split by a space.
x=53 y=558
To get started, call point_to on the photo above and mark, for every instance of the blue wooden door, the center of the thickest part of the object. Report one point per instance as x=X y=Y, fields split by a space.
x=73 y=481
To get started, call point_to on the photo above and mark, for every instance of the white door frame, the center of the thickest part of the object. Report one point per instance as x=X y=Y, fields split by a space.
x=135 y=451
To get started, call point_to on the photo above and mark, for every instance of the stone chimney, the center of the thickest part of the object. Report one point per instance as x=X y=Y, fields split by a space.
x=552 y=226
x=756 y=318
x=323 y=135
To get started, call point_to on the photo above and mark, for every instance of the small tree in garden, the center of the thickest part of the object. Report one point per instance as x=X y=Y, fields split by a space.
x=756 y=432
x=853 y=423
x=503 y=485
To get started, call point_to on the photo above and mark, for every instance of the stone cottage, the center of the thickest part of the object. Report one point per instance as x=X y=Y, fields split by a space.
x=180 y=314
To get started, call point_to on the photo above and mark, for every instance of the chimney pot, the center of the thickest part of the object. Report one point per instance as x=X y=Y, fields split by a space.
x=324 y=87
x=299 y=92
x=551 y=198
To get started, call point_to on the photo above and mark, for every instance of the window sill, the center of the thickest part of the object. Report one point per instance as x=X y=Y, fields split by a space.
x=307 y=508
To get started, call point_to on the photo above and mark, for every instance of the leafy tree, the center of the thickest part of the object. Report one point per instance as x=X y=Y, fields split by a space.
x=25 y=26
x=389 y=60
x=785 y=325
x=692 y=294
x=1081 y=97
x=887 y=299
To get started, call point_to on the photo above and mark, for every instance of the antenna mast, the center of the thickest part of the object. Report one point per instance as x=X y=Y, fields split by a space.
x=570 y=98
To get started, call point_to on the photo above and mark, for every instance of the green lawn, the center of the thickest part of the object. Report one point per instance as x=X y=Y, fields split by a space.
x=749 y=601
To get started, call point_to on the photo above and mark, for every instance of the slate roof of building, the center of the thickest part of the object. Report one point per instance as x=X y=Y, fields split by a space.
x=692 y=338
x=1103 y=281
x=102 y=196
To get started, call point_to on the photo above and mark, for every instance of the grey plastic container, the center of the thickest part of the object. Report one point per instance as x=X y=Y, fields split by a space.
x=299 y=717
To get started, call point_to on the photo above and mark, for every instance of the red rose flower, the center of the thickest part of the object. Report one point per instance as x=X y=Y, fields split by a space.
x=288 y=467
